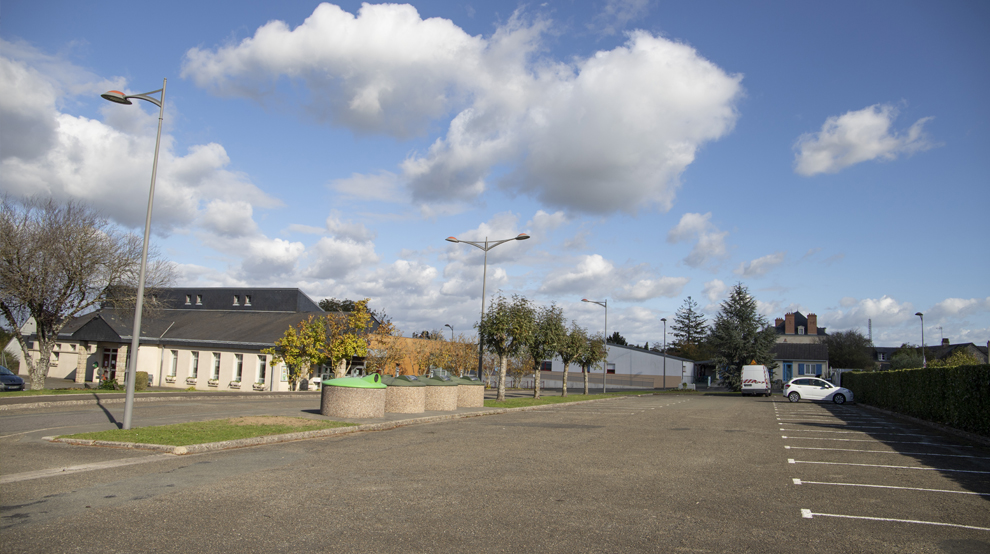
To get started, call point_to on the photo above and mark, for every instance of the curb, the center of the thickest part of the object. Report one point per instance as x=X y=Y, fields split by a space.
x=115 y=400
x=304 y=435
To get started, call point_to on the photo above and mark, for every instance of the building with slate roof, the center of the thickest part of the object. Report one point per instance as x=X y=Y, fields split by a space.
x=801 y=359
x=208 y=338
x=795 y=327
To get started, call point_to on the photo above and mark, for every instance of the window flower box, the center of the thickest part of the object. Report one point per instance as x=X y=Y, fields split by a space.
x=234 y=384
x=191 y=380
x=259 y=386
x=213 y=382
x=170 y=378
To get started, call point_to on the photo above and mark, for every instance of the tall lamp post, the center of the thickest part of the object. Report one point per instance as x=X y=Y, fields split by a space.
x=603 y=304
x=121 y=98
x=664 y=320
x=451 y=331
x=486 y=246
x=924 y=361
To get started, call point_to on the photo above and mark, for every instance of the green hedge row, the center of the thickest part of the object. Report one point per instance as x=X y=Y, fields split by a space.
x=955 y=396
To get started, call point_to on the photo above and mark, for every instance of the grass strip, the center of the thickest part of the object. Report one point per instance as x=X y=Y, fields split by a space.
x=44 y=392
x=555 y=399
x=217 y=430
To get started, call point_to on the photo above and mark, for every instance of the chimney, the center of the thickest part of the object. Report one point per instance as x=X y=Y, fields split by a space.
x=945 y=342
x=778 y=322
x=812 y=324
x=789 y=324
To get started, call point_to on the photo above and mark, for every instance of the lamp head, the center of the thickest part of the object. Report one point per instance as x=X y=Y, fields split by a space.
x=116 y=96
x=522 y=236
x=452 y=239
x=919 y=314
x=663 y=319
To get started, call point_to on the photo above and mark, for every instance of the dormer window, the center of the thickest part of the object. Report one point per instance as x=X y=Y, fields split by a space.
x=247 y=299
x=188 y=299
x=800 y=329
x=237 y=300
x=199 y=299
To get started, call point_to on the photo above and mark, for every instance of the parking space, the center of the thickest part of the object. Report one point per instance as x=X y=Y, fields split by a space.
x=866 y=469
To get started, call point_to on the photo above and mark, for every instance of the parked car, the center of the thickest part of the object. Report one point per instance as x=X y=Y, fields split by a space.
x=810 y=388
x=10 y=380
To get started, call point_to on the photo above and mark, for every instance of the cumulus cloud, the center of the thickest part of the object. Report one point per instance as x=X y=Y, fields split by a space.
x=267 y=258
x=958 y=307
x=590 y=273
x=714 y=290
x=760 y=266
x=884 y=311
x=383 y=186
x=611 y=132
x=646 y=289
x=337 y=258
x=105 y=163
x=709 y=241
x=230 y=219
x=857 y=136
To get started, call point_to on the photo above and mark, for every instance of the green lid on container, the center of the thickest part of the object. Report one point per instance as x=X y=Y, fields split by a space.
x=403 y=381
x=439 y=381
x=373 y=381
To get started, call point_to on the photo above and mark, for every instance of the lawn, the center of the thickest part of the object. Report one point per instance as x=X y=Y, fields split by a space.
x=217 y=430
x=555 y=398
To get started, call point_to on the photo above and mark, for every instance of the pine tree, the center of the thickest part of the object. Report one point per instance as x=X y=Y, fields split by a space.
x=740 y=336
x=689 y=329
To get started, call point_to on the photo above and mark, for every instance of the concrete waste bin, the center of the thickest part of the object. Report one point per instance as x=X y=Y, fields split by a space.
x=353 y=397
x=470 y=392
x=441 y=393
x=405 y=394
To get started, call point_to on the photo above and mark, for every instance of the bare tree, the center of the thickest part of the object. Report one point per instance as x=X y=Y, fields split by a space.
x=58 y=261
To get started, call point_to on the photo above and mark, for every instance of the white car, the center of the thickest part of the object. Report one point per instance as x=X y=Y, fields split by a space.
x=810 y=388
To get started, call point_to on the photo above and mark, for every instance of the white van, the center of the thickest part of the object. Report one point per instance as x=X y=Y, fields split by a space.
x=755 y=380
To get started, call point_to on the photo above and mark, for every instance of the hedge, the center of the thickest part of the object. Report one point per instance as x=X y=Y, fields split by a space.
x=955 y=396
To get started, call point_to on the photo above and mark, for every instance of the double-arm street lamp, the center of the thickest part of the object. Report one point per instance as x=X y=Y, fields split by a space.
x=121 y=98
x=603 y=304
x=924 y=361
x=486 y=246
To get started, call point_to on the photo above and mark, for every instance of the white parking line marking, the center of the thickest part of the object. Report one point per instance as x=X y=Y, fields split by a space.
x=793 y=461
x=885 y=452
x=26 y=476
x=854 y=432
x=801 y=482
x=808 y=514
x=865 y=440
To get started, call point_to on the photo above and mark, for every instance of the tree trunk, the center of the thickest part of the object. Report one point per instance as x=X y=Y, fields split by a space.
x=563 y=385
x=39 y=370
x=536 y=381
x=503 y=363
x=585 y=371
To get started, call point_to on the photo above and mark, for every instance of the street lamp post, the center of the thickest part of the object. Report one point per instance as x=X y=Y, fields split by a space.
x=121 y=98
x=603 y=304
x=664 y=320
x=451 y=331
x=924 y=357
x=486 y=246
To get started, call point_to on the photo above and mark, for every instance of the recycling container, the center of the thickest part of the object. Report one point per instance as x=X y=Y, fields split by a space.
x=441 y=393
x=353 y=397
x=405 y=394
x=470 y=392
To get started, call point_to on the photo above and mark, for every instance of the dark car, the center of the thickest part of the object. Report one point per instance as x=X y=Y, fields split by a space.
x=10 y=380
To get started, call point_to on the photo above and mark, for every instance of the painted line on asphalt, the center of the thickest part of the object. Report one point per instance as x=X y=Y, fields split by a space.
x=793 y=461
x=849 y=426
x=865 y=440
x=854 y=432
x=884 y=452
x=802 y=482
x=40 y=474
x=808 y=514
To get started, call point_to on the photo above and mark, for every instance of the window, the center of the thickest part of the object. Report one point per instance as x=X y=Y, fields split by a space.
x=238 y=366
x=175 y=364
x=800 y=329
x=188 y=299
x=881 y=357
x=216 y=366
x=194 y=370
x=199 y=299
x=247 y=299
x=546 y=366
x=237 y=300
x=611 y=368
x=262 y=367
x=54 y=359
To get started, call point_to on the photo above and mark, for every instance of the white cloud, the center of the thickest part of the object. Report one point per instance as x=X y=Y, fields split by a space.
x=591 y=273
x=760 y=266
x=230 y=219
x=383 y=187
x=958 y=307
x=543 y=223
x=609 y=133
x=710 y=242
x=356 y=232
x=646 y=289
x=336 y=258
x=267 y=258
x=857 y=136
x=885 y=312
x=714 y=290
x=616 y=14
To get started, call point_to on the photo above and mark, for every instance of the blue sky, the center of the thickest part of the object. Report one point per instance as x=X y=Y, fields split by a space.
x=831 y=157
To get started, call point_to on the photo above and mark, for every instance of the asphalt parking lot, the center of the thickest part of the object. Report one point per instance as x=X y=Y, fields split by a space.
x=657 y=473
